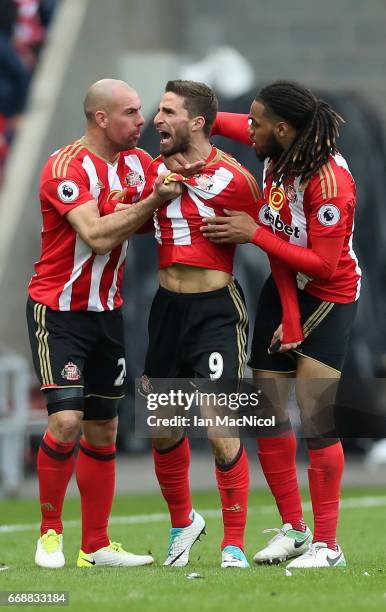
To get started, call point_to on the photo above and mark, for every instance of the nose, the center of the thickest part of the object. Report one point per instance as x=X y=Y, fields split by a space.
x=157 y=119
x=141 y=120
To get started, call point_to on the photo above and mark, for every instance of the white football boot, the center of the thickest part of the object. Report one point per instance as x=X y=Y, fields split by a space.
x=112 y=555
x=233 y=556
x=317 y=556
x=49 y=550
x=182 y=540
x=287 y=543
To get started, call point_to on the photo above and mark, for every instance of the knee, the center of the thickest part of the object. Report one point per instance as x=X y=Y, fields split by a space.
x=65 y=426
x=166 y=444
x=101 y=433
x=225 y=449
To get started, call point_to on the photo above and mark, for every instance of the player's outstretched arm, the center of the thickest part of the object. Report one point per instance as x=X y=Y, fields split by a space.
x=290 y=333
x=233 y=126
x=320 y=262
x=104 y=233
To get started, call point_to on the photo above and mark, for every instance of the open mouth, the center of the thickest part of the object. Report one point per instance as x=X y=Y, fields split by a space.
x=165 y=138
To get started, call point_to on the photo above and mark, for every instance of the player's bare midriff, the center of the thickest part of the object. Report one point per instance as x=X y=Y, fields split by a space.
x=180 y=278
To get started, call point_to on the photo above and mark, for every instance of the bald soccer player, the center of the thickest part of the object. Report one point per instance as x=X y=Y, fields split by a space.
x=75 y=319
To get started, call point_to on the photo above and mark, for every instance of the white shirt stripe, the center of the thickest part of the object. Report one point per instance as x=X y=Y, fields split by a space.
x=100 y=261
x=298 y=217
x=113 y=288
x=89 y=167
x=180 y=226
x=82 y=253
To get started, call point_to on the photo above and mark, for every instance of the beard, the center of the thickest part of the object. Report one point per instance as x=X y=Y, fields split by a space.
x=179 y=144
x=272 y=149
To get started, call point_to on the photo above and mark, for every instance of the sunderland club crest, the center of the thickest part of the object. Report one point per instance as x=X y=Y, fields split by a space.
x=204 y=182
x=134 y=179
x=71 y=372
x=290 y=192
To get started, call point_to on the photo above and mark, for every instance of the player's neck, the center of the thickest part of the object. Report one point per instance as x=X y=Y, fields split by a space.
x=198 y=149
x=99 y=147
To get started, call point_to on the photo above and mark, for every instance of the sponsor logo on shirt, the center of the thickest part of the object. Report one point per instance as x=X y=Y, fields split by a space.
x=328 y=214
x=68 y=191
x=71 y=371
x=112 y=195
x=267 y=217
x=276 y=198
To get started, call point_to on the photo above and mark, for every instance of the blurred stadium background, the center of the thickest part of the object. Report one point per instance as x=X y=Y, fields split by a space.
x=52 y=50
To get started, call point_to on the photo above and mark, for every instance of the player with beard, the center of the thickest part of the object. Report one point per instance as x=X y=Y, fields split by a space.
x=310 y=201
x=198 y=320
x=75 y=319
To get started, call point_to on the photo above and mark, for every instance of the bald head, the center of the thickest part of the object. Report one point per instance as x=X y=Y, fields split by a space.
x=104 y=95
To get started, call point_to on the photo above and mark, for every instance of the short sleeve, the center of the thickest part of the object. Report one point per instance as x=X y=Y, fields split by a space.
x=66 y=193
x=330 y=197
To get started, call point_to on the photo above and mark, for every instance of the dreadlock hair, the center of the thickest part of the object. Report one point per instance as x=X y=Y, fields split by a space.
x=199 y=99
x=314 y=120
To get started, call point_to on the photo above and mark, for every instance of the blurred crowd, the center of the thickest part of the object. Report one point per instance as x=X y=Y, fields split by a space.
x=23 y=29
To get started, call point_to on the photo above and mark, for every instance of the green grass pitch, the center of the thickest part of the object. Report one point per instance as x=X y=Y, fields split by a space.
x=141 y=524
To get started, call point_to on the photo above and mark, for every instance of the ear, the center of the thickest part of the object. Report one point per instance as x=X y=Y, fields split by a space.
x=282 y=129
x=101 y=119
x=198 y=123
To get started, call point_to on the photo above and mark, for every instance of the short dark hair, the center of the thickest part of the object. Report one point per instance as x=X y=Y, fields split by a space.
x=316 y=123
x=199 y=100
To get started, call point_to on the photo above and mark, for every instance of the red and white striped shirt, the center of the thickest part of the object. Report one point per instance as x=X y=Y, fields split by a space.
x=323 y=207
x=69 y=275
x=222 y=183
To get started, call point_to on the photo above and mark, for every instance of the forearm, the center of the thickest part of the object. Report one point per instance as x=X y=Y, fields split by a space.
x=233 y=126
x=111 y=230
x=285 y=281
x=320 y=266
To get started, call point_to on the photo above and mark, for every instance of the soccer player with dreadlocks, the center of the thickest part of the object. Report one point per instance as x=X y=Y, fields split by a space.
x=306 y=228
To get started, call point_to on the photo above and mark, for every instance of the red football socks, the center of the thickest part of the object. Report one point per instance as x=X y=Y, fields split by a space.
x=233 y=486
x=95 y=474
x=55 y=464
x=172 y=471
x=324 y=477
x=278 y=461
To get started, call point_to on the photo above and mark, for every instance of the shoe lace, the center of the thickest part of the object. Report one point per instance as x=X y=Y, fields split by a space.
x=116 y=547
x=279 y=534
x=174 y=533
x=51 y=541
x=312 y=551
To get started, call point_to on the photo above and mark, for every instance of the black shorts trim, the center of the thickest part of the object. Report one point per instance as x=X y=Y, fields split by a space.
x=185 y=334
x=79 y=350
x=106 y=397
x=43 y=349
x=302 y=354
x=241 y=327
x=326 y=327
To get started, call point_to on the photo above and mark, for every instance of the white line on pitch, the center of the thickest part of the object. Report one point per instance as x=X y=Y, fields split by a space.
x=351 y=503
